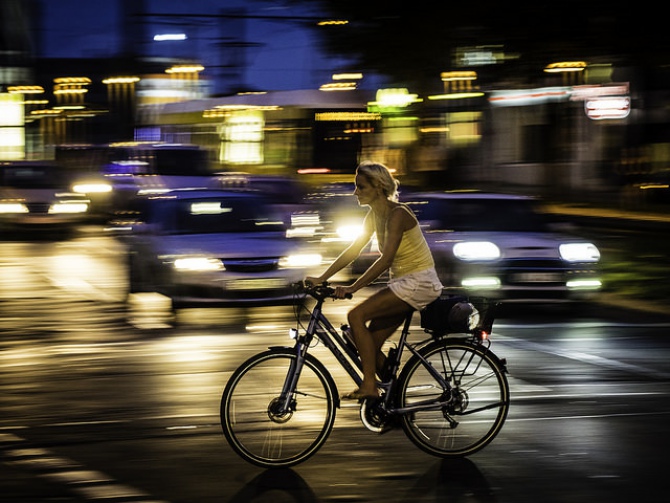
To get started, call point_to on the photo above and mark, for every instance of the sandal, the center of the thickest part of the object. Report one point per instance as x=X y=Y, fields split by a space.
x=357 y=395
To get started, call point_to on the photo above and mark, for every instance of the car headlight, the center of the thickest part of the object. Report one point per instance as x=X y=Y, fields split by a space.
x=13 y=208
x=69 y=207
x=349 y=232
x=92 y=188
x=301 y=260
x=198 y=264
x=476 y=250
x=579 y=252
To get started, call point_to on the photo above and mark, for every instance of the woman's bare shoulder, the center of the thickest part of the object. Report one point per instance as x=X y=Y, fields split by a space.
x=403 y=213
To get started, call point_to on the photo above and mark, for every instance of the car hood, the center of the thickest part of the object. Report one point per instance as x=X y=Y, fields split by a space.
x=511 y=244
x=37 y=195
x=229 y=245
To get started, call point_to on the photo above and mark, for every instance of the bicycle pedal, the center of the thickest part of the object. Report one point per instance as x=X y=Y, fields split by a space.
x=384 y=429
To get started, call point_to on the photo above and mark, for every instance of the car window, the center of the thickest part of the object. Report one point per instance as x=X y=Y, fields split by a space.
x=32 y=177
x=214 y=215
x=164 y=161
x=481 y=215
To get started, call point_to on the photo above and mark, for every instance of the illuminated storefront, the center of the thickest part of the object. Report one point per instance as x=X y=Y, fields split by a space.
x=12 y=127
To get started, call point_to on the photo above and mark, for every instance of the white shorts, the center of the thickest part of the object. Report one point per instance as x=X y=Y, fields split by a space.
x=418 y=289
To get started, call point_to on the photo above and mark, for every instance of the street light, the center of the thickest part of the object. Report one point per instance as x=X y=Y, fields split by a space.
x=570 y=70
x=71 y=90
x=186 y=75
x=458 y=85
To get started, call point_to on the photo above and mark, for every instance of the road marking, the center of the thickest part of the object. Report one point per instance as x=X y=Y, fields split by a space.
x=585 y=416
x=584 y=357
x=89 y=484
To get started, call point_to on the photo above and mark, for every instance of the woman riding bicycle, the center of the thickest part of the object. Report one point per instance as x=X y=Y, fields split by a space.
x=414 y=282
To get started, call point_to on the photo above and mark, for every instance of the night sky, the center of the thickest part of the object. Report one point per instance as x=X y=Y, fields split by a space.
x=278 y=55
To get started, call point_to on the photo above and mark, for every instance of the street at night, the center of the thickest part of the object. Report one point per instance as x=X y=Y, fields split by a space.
x=102 y=404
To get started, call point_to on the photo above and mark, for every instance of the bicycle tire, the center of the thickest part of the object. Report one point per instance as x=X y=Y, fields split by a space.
x=266 y=439
x=480 y=398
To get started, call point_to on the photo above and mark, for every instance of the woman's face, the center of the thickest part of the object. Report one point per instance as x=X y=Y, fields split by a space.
x=365 y=191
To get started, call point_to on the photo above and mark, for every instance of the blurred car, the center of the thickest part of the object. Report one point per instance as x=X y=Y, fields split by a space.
x=37 y=196
x=83 y=164
x=504 y=247
x=286 y=195
x=214 y=247
x=114 y=175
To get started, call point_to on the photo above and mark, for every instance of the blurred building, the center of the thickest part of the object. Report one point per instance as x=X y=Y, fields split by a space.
x=51 y=101
x=569 y=128
x=17 y=53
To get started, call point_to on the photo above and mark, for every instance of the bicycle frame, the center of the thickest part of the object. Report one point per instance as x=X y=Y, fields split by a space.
x=320 y=327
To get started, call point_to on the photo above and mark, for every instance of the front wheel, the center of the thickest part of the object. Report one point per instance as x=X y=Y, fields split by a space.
x=270 y=429
x=460 y=421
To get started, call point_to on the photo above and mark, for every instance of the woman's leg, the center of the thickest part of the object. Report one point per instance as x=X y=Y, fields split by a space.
x=386 y=309
x=380 y=330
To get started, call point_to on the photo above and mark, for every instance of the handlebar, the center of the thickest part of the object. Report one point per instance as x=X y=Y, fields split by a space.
x=320 y=291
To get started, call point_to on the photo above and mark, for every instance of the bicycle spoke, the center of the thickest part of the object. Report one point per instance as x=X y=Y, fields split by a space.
x=253 y=419
x=465 y=418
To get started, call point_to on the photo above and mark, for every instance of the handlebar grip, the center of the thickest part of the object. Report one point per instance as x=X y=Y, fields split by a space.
x=320 y=289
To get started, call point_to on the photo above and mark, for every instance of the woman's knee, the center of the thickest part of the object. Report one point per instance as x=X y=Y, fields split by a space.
x=356 y=316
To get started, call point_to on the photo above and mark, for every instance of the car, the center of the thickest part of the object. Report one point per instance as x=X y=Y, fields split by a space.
x=287 y=195
x=36 y=196
x=504 y=247
x=114 y=175
x=201 y=247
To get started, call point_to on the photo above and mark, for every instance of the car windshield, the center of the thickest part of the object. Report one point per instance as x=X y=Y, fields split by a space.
x=162 y=161
x=485 y=215
x=32 y=177
x=214 y=215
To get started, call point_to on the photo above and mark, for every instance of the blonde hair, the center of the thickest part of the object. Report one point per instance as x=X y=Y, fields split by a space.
x=380 y=176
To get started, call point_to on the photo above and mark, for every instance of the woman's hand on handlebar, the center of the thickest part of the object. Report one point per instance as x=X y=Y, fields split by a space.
x=312 y=280
x=343 y=292
x=339 y=292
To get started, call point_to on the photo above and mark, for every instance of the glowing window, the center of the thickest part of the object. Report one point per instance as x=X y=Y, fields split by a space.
x=242 y=138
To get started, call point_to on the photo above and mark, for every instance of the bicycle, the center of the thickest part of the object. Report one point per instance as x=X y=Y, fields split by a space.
x=451 y=395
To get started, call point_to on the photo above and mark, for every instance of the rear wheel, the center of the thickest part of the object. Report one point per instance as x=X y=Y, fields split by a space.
x=256 y=422
x=472 y=412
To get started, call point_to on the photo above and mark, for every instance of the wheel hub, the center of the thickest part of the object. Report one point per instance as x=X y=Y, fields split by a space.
x=275 y=413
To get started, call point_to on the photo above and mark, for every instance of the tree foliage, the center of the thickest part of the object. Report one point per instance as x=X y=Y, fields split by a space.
x=412 y=42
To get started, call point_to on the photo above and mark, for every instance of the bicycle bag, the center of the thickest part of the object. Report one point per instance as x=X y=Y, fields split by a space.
x=449 y=314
